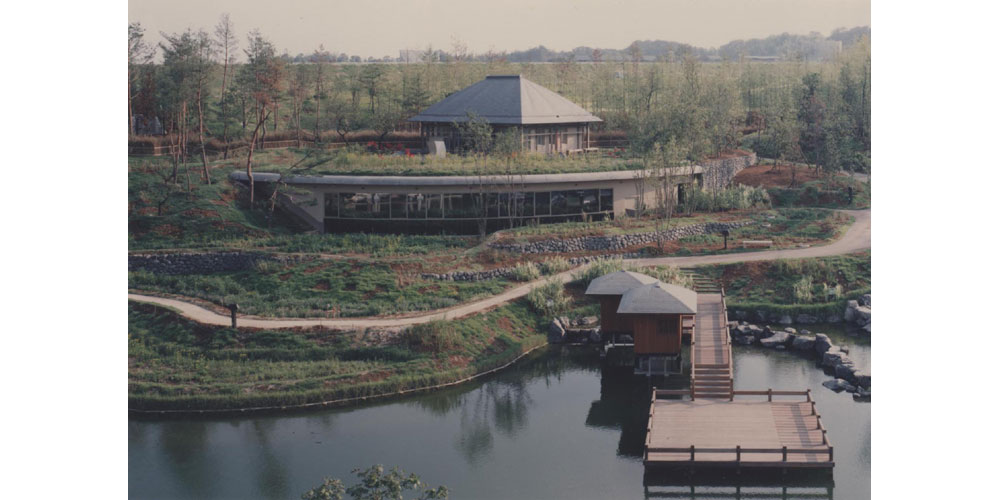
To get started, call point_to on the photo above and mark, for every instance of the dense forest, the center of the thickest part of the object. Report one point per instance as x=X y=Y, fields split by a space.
x=815 y=112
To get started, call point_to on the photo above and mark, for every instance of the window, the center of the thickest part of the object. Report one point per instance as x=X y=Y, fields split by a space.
x=434 y=207
x=542 y=203
x=397 y=206
x=330 y=204
x=607 y=200
x=416 y=208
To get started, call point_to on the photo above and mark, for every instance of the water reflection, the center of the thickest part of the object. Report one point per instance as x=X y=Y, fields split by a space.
x=563 y=422
x=186 y=453
x=271 y=477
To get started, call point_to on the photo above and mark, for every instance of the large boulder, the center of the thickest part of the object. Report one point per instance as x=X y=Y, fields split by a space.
x=595 y=335
x=837 y=385
x=863 y=379
x=804 y=344
x=764 y=333
x=823 y=343
x=850 y=313
x=845 y=371
x=557 y=334
x=587 y=321
x=785 y=319
x=862 y=394
x=862 y=315
x=564 y=321
x=866 y=300
x=835 y=357
x=779 y=338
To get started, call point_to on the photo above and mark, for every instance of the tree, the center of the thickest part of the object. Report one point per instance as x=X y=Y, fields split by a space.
x=139 y=53
x=297 y=88
x=812 y=111
x=262 y=74
x=377 y=484
x=319 y=58
x=180 y=83
x=370 y=79
x=226 y=45
x=476 y=136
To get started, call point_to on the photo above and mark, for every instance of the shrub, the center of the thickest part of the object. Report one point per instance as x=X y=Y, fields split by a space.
x=668 y=274
x=526 y=272
x=435 y=336
x=737 y=197
x=802 y=291
x=555 y=265
x=597 y=269
x=549 y=299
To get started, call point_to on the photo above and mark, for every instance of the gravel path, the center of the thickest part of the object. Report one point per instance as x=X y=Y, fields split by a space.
x=857 y=238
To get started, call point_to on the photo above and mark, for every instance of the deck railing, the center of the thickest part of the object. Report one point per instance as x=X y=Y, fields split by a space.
x=739 y=451
x=729 y=343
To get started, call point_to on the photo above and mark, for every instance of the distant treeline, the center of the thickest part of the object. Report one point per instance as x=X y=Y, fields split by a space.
x=818 y=112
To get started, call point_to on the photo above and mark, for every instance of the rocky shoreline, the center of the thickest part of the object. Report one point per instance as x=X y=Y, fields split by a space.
x=831 y=357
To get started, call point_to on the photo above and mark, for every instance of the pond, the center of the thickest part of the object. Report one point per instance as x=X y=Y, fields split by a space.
x=555 y=425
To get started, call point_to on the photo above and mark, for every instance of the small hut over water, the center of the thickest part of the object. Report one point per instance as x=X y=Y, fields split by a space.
x=656 y=312
x=609 y=290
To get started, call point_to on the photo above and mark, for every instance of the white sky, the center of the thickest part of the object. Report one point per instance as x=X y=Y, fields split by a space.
x=382 y=27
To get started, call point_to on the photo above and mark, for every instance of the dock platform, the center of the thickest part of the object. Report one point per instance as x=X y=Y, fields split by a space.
x=777 y=429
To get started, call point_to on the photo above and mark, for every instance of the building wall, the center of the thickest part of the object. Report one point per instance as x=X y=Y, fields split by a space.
x=656 y=333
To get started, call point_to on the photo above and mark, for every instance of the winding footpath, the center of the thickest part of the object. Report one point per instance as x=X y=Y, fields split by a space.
x=857 y=238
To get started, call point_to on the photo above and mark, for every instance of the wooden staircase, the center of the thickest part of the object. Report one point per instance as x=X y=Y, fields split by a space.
x=711 y=351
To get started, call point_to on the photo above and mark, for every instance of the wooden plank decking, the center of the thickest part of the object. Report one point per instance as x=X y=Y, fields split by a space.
x=739 y=433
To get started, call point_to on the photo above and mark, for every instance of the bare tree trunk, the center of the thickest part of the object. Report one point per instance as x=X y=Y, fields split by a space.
x=253 y=141
x=201 y=139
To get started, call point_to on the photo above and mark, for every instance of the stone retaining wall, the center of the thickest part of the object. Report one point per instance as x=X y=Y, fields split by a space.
x=617 y=242
x=199 y=263
x=719 y=173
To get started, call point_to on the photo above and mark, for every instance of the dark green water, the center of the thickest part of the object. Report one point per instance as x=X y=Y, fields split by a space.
x=553 y=426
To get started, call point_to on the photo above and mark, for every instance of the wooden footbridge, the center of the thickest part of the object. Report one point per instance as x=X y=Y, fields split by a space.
x=714 y=426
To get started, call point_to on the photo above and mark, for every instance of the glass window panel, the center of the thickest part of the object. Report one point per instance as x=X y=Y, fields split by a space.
x=434 y=210
x=330 y=204
x=560 y=202
x=589 y=199
x=542 y=203
x=397 y=206
x=355 y=205
x=416 y=206
x=492 y=204
x=379 y=207
x=607 y=200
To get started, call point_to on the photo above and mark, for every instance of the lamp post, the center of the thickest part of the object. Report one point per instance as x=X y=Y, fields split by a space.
x=725 y=239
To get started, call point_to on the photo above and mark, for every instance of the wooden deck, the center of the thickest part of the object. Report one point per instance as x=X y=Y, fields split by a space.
x=720 y=427
x=759 y=431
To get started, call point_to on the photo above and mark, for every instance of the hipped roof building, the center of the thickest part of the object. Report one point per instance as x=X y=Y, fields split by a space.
x=546 y=121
